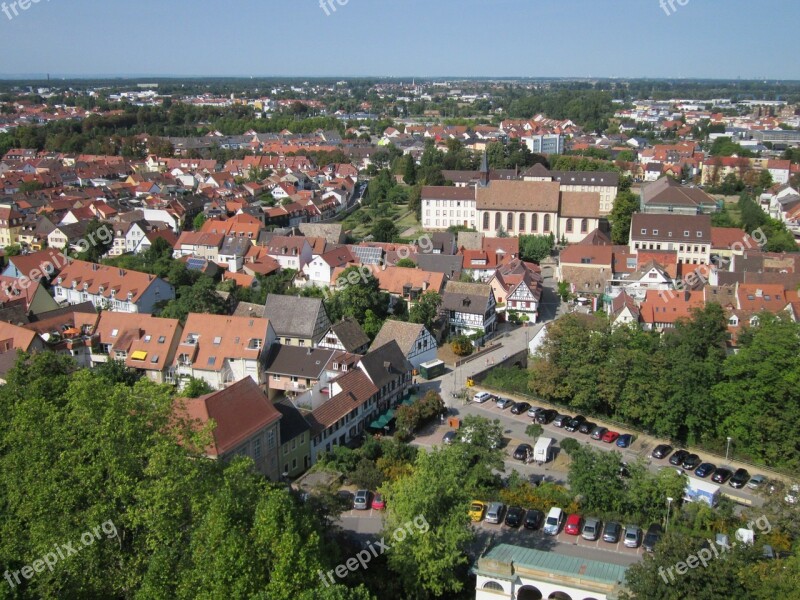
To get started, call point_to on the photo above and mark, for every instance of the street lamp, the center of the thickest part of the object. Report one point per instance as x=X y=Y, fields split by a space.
x=727 y=448
x=669 y=505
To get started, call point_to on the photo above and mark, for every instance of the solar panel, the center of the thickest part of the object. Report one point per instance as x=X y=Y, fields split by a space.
x=367 y=254
x=196 y=264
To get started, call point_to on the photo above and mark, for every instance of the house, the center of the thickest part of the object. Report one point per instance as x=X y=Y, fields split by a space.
x=14 y=338
x=110 y=288
x=688 y=235
x=518 y=285
x=297 y=321
x=667 y=196
x=245 y=423
x=222 y=350
x=623 y=310
x=143 y=342
x=198 y=244
x=662 y=310
x=415 y=341
x=290 y=252
x=319 y=271
x=44 y=264
x=390 y=371
x=649 y=276
x=70 y=331
x=470 y=307
x=11 y=221
x=447 y=206
x=579 y=214
x=33 y=298
x=67 y=237
x=291 y=370
x=345 y=335
x=295 y=452
x=344 y=417
x=408 y=284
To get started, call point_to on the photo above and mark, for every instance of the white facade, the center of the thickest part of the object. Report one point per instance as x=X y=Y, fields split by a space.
x=441 y=214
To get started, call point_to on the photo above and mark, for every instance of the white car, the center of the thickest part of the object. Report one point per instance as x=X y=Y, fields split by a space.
x=481 y=397
x=532 y=411
x=503 y=403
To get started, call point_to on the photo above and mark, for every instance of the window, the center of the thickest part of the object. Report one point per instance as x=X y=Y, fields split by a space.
x=276 y=377
x=510 y=222
x=486 y=221
x=534 y=222
x=161 y=339
x=147 y=338
x=212 y=360
x=569 y=225
x=644 y=231
x=271 y=439
x=685 y=234
x=655 y=231
x=584 y=225
x=522 y=222
x=547 y=223
x=257 y=447
x=114 y=332
x=498 y=221
x=217 y=341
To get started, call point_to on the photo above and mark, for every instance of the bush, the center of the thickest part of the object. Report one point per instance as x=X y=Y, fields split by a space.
x=462 y=346
x=410 y=417
x=569 y=445
x=509 y=379
x=534 y=431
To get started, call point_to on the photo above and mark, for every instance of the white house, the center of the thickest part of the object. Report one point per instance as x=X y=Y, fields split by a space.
x=414 y=339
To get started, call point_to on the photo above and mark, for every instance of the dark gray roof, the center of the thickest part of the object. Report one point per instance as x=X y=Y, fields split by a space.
x=604 y=178
x=293 y=316
x=235 y=246
x=385 y=364
x=297 y=361
x=350 y=334
x=440 y=263
x=292 y=421
x=472 y=298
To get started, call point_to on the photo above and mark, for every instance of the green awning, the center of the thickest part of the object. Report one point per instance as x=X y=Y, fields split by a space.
x=383 y=420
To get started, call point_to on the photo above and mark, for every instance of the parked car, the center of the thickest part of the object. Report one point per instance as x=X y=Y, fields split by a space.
x=661 y=451
x=591 y=529
x=690 y=462
x=562 y=420
x=739 y=479
x=495 y=512
x=586 y=427
x=514 y=516
x=633 y=536
x=598 y=433
x=476 y=510
x=519 y=408
x=449 y=437
x=756 y=481
x=651 y=537
x=705 y=469
x=573 y=525
x=378 y=503
x=523 y=452
x=533 y=519
x=677 y=458
x=481 y=397
x=625 y=440
x=533 y=411
x=611 y=532
x=609 y=437
x=504 y=403
x=361 y=500
x=545 y=416
x=721 y=475
x=554 y=521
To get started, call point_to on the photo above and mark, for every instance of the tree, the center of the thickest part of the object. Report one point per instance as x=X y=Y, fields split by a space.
x=196 y=387
x=564 y=290
x=625 y=204
x=536 y=248
x=406 y=263
x=96 y=241
x=200 y=297
x=462 y=346
x=384 y=230
x=594 y=475
x=410 y=171
x=534 y=430
x=426 y=309
x=199 y=221
x=356 y=299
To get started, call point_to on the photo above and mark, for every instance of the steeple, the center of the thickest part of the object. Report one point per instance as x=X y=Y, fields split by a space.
x=485 y=169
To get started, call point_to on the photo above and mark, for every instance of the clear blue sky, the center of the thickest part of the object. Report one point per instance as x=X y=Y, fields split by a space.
x=495 y=38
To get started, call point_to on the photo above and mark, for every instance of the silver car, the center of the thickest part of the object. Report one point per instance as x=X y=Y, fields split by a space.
x=495 y=512
x=633 y=536
x=591 y=529
x=503 y=403
x=361 y=500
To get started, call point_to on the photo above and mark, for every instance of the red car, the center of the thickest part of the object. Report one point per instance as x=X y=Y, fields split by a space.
x=378 y=503
x=609 y=437
x=573 y=526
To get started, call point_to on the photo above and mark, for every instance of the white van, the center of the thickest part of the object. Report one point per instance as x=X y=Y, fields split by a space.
x=554 y=521
x=481 y=397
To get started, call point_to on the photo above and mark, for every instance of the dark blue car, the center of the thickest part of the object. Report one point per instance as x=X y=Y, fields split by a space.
x=624 y=440
x=704 y=470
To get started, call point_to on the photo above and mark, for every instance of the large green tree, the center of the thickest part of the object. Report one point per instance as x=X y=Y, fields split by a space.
x=625 y=204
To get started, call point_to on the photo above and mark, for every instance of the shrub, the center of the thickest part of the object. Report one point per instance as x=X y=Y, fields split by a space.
x=462 y=346
x=569 y=445
x=534 y=431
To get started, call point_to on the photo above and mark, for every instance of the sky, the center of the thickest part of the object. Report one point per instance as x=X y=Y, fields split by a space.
x=722 y=39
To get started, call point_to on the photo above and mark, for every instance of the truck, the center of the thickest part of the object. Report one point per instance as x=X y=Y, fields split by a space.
x=543 y=450
x=431 y=369
x=701 y=491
